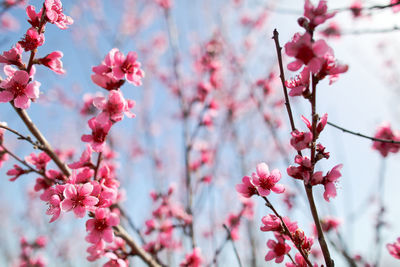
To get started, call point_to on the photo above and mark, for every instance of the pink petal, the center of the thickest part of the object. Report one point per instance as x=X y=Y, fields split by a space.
x=6 y=96
x=22 y=101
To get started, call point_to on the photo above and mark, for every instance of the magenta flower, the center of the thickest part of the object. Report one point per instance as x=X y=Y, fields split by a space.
x=99 y=133
x=164 y=3
x=39 y=161
x=394 y=249
x=16 y=172
x=246 y=188
x=114 y=108
x=328 y=181
x=306 y=52
x=78 y=199
x=53 y=62
x=300 y=83
x=32 y=40
x=128 y=66
x=385 y=132
x=278 y=249
x=301 y=172
x=114 y=261
x=271 y=223
x=299 y=262
x=55 y=15
x=330 y=223
x=301 y=140
x=34 y=18
x=12 y=56
x=103 y=75
x=18 y=89
x=194 y=259
x=53 y=196
x=100 y=227
x=266 y=181
x=316 y=15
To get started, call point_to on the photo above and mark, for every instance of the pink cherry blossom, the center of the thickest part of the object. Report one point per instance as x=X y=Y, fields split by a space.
x=328 y=181
x=39 y=161
x=99 y=133
x=356 y=8
x=301 y=172
x=32 y=40
x=306 y=52
x=127 y=67
x=301 y=140
x=34 y=18
x=53 y=62
x=78 y=199
x=55 y=15
x=299 y=262
x=316 y=15
x=300 y=83
x=394 y=249
x=16 y=172
x=114 y=261
x=265 y=181
x=330 y=223
x=385 y=132
x=100 y=227
x=19 y=89
x=246 y=188
x=114 y=108
x=12 y=56
x=53 y=196
x=194 y=259
x=164 y=3
x=278 y=250
x=85 y=159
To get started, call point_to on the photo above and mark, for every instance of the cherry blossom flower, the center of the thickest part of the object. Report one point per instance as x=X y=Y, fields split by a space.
x=78 y=199
x=273 y=223
x=384 y=131
x=114 y=261
x=34 y=18
x=103 y=75
x=114 y=108
x=127 y=67
x=306 y=52
x=394 y=249
x=194 y=259
x=316 y=15
x=100 y=227
x=12 y=56
x=16 y=172
x=356 y=8
x=164 y=3
x=55 y=15
x=53 y=62
x=328 y=181
x=246 y=188
x=53 y=196
x=39 y=161
x=330 y=223
x=301 y=140
x=300 y=83
x=331 y=68
x=299 y=262
x=301 y=172
x=85 y=159
x=278 y=250
x=32 y=40
x=265 y=181
x=19 y=89
x=99 y=133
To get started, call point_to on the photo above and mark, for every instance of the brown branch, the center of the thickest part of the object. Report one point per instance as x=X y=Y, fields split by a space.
x=287 y=231
x=136 y=249
x=363 y=135
x=36 y=144
x=233 y=244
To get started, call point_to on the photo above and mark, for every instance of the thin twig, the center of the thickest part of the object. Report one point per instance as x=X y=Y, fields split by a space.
x=363 y=135
x=233 y=244
x=22 y=137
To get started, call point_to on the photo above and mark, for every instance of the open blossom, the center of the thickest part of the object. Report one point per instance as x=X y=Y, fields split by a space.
x=385 y=132
x=19 y=89
x=100 y=227
x=301 y=140
x=53 y=62
x=302 y=171
x=300 y=83
x=306 y=52
x=278 y=250
x=394 y=249
x=32 y=40
x=78 y=198
x=53 y=196
x=84 y=160
x=265 y=181
x=103 y=75
x=316 y=15
x=328 y=181
x=127 y=67
x=331 y=67
x=114 y=261
x=246 y=188
x=39 y=161
x=99 y=133
x=330 y=223
x=165 y=3
x=12 y=56
x=114 y=108
x=193 y=259
x=34 y=18
x=55 y=15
